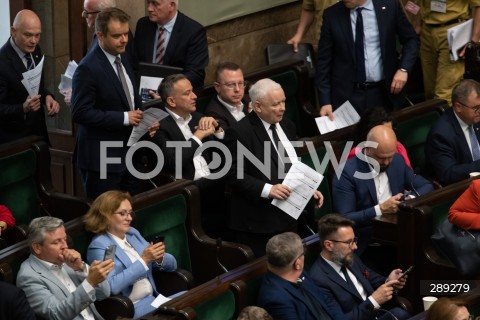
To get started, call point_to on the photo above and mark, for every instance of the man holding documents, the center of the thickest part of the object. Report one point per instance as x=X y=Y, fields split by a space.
x=372 y=183
x=440 y=73
x=266 y=135
x=21 y=113
x=106 y=105
x=358 y=60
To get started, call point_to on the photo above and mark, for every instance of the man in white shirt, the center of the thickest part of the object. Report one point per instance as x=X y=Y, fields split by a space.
x=230 y=104
x=57 y=283
x=359 y=291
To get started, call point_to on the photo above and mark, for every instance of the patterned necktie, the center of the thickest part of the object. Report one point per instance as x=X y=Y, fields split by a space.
x=121 y=76
x=29 y=61
x=160 y=49
x=359 y=47
x=279 y=145
x=474 y=143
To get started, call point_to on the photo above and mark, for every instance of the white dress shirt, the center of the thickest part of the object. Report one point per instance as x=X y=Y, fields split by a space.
x=235 y=111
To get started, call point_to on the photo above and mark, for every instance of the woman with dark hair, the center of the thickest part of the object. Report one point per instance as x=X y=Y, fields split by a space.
x=373 y=117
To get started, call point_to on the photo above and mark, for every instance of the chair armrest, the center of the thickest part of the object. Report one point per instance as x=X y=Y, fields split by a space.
x=404 y=303
x=6 y=273
x=310 y=109
x=169 y=283
x=115 y=306
x=15 y=234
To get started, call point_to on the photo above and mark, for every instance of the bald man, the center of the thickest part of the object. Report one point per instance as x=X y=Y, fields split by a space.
x=373 y=183
x=22 y=115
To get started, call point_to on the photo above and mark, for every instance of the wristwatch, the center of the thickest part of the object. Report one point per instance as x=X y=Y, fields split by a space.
x=403 y=70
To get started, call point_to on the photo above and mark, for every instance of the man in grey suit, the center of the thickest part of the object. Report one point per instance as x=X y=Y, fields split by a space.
x=57 y=283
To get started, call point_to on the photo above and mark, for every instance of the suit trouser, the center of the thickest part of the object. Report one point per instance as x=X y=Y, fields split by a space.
x=440 y=74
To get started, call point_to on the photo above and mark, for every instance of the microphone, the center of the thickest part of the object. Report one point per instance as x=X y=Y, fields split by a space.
x=389 y=313
x=411 y=185
x=145 y=166
x=219 y=248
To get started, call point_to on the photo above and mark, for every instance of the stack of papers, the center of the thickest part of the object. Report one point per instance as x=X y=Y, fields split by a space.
x=344 y=116
x=31 y=78
x=458 y=37
x=66 y=78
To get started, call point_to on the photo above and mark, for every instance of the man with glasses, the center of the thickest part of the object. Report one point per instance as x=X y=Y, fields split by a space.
x=286 y=291
x=359 y=291
x=230 y=104
x=452 y=150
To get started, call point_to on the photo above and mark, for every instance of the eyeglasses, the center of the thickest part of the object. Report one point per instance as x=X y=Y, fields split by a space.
x=233 y=85
x=87 y=13
x=476 y=109
x=347 y=242
x=125 y=213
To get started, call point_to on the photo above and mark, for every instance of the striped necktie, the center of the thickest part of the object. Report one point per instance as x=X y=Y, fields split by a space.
x=160 y=49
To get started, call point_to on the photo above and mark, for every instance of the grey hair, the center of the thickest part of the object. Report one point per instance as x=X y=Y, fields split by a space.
x=261 y=88
x=283 y=249
x=104 y=4
x=40 y=226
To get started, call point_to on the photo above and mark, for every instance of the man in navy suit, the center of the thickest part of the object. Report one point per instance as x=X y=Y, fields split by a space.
x=452 y=141
x=22 y=115
x=372 y=75
x=105 y=109
x=230 y=104
x=356 y=289
x=253 y=217
x=182 y=41
x=14 y=304
x=286 y=291
x=372 y=183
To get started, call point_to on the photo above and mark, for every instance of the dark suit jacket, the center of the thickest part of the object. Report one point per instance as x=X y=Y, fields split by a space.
x=218 y=111
x=447 y=152
x=187 y=47
x=14 y=304
x=98 y=106
x=169 y=131
x=355 y=198
x=336 y=63
x=14 y=123
x=284 y=301
x=250 y=212
x=337 y=289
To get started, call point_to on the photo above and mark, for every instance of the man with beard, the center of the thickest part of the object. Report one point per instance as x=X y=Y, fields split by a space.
x=372 y=183
x=357 y=290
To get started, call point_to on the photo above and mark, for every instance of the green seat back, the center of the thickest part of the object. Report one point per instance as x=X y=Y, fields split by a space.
x=18 y=190
x=412 y=133
x=168 y=218
x=289 y=82
x=324 y=187
x=221 y=307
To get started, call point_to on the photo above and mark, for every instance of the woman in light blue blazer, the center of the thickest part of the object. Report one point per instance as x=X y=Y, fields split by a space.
x=109 y=218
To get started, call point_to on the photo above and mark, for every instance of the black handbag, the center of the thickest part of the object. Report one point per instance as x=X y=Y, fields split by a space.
x=462 y=247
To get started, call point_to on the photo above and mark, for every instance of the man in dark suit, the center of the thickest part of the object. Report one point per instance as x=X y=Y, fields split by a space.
x=230 y=104
x=22 y=115
x=253 y=186
x=189 y=130
x=14 y=304
x=356 y=289
x=364 y=68
x=372 y=183
x=105 y=105
x=167 y=36
x=452 y=147
x=286 y=291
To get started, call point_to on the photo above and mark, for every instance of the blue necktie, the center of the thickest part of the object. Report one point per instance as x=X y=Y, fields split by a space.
x=359 y=47
x=29 y=61
x=474 y=143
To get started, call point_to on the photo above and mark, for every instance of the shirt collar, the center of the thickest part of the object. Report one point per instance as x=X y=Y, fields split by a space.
x=20 y=53
x=169 y=25
x=120 y=242
x=230 y=107
x=49 y=265
x=266 y=124
x=462 y=123
x=177 y=118
x=334 y=265
x=111 y=58
x=368 y=5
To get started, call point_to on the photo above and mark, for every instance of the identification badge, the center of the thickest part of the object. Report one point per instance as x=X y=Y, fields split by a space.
x=439 y=6
x=411 y=7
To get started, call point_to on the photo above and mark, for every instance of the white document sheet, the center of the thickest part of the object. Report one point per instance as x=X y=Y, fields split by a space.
x=303 y=181
x=149 y=83
x=343 y=116
x=66 y=78
x=31 y=78
x=159 y=300
x=458 y=37
x=149 y=117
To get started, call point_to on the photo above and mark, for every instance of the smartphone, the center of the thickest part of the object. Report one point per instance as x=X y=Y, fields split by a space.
x=110 y=252
x=405 y=272
x=406 y=194
x=159 y=238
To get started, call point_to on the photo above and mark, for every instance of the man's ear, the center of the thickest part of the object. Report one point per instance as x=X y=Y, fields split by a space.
x=171 y=101
x=37 y=248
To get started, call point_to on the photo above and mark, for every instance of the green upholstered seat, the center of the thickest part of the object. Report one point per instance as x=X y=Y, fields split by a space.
x=221 y=307
x=18 y=189
x=168 y=218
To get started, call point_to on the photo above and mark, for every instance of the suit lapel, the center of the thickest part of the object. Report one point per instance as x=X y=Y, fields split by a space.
x=46 y=274
x=345 y=24
x=361 y=278
x=119 y=254
x=335 y=277
x=175 y=37
x=370 y=183
x=380 y=15
x=262 y=136
x=459 y=132
x=15 y=61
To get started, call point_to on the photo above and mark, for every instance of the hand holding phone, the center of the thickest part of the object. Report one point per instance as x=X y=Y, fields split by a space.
x=110 y=252
x=405 y=273
x=159 y=238
x=406 y=194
